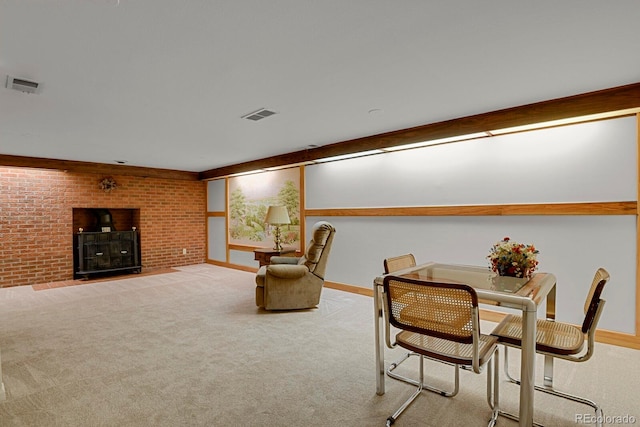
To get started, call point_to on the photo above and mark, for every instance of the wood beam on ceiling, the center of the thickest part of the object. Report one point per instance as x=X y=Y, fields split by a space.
x=95 y=168
x=597 y=102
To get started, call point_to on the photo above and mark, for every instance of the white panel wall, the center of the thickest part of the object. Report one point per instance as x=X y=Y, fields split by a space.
x=216 y=195
x=217 y=240
x=587 y=162
x=579 y=163
x=243 y=258
x=571 y=247
x=217 y=232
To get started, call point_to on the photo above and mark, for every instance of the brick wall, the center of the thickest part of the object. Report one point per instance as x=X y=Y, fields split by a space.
x=36 y=220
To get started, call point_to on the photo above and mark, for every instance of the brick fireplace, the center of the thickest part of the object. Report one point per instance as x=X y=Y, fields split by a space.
x=37 y=220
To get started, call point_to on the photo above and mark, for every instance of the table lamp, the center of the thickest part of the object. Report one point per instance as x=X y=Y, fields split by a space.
x=277 y=216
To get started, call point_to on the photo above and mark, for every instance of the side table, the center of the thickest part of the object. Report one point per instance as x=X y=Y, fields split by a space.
x=263 y=255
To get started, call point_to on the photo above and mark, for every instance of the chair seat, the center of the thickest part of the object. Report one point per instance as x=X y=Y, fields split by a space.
x=447 y=350
x=551 y=337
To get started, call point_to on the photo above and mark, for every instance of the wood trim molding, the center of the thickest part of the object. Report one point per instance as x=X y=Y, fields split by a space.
x=226 y=220
x=216 y=214
x=608 y=337
x=234 y=266
x=604 y=336
x=492 y=316
x=349 y=288
x=95 y=168
x=243 y=248
x=303 y=213
x=618 y=338
x=638 y=231
x=598 y=208
x=602 y=101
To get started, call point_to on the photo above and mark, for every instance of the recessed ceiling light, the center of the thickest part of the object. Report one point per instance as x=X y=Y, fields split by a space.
x=120 y=162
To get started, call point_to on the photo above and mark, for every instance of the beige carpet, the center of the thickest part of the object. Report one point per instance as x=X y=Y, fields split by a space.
x=190 y=348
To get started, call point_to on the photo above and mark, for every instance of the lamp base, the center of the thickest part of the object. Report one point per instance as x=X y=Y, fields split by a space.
x=276 y=240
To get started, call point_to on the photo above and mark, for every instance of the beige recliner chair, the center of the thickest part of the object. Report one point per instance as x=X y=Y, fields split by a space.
x=292 y=283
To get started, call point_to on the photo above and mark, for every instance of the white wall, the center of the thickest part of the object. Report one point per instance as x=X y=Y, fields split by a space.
x=217 y=239
x=571 y=247
x=592 y=162
x=216 y=196
x=216 y=226
x=587 y=162
x=579 y=163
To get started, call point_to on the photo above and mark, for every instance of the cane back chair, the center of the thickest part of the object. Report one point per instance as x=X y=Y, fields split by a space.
x=392 y=265
x=439 y=321
x=559 y=340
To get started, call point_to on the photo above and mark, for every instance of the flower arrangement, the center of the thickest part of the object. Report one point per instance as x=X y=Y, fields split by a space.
x=108 y=184
x=509 y=258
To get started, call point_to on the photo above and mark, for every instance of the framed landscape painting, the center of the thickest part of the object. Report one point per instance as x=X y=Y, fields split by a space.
x=249 y=198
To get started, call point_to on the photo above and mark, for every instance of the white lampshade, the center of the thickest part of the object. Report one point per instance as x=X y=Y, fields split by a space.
x=277 y=215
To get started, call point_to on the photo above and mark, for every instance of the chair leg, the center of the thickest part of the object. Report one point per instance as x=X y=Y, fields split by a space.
x=548 y=387
x=548 y=371
x=493 y=388
x=392 y=419
x=506 y=366
x=575 y=398
x=395 y=376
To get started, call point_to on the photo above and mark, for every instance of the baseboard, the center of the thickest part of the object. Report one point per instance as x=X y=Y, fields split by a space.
x=349 y=288
x=620 y=339
x=234 y=266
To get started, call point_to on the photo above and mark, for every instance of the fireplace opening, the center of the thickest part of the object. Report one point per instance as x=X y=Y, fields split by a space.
x=104 y=220
x=105 y=242
x=89 y=219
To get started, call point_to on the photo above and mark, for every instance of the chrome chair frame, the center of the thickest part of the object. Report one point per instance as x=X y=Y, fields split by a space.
x=492 y=368
x=593 y=307
x=391 y=265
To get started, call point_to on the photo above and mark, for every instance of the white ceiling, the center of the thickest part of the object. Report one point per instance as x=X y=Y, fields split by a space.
x=163 y=83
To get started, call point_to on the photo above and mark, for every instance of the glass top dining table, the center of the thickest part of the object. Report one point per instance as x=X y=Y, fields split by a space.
x=523 y=294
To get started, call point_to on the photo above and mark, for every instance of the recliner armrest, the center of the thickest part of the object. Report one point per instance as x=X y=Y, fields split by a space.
x=287 y=271
x=284 y=260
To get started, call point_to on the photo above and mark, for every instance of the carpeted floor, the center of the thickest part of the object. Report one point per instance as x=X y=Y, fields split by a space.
x=190 y=348
x=98 y=278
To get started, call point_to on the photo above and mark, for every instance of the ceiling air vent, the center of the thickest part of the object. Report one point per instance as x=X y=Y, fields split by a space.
x=22 y=85
x=259 y=115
